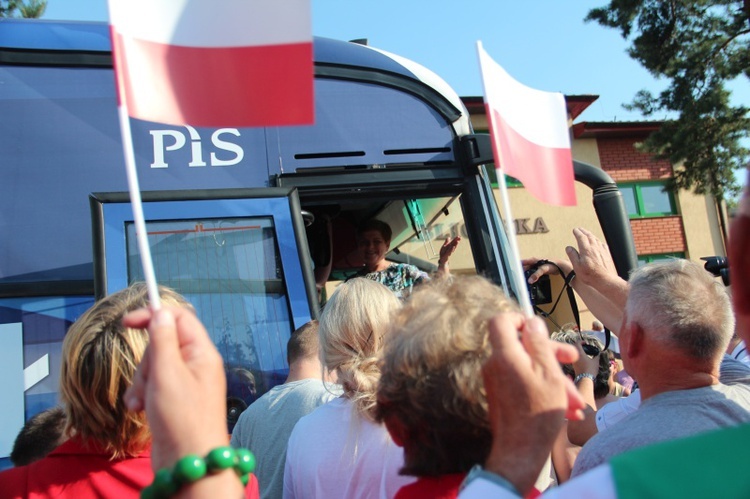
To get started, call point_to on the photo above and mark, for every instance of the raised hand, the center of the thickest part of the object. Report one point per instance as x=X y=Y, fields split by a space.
x=592 y=260
x=552 y=268
x=528 y=396
x=447 y=249
x=181 y=384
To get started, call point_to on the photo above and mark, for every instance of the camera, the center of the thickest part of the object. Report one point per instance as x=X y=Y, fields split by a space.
x=718 y=266
x=590 y=350
x=541 y=291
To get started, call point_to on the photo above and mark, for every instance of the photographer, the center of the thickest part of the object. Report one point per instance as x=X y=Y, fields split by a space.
x=656 y=471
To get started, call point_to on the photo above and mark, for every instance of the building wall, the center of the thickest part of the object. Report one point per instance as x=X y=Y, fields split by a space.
x=587 y=151
x=703 y=233
x=624 y=163
x=694 y=231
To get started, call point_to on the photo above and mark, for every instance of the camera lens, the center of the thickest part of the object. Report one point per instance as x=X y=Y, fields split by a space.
x=590 y=350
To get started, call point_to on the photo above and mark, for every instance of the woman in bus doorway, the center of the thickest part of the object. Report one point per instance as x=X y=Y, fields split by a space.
x=373 y=243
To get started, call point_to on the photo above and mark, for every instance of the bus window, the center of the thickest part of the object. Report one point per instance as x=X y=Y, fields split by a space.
x=233 y=259
x=420 y=227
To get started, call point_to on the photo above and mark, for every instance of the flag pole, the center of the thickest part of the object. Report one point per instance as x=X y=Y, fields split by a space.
x=510 y=227
x=137 y=205
x=524 y=300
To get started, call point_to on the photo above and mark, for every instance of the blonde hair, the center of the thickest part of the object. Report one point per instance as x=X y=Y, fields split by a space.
x=352 y=329
x=99 y=359
x=432 y=382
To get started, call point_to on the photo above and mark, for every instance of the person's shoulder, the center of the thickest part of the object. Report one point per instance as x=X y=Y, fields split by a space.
x=255 y=410
x=13 y=481
x=322 y=414
x=317 y=422
x=738 y=393
x=410 y=270
x=599 y=449
x=306 y=384
x=407 y=267
x=314 y=390
x=734 y=372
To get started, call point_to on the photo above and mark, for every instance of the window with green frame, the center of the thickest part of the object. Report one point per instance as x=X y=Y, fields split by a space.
x=492 y=174
x=647 y=199
x=644 y=259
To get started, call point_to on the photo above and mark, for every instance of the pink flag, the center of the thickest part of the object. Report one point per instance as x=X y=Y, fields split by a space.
x=212 y=63
x=530 y=137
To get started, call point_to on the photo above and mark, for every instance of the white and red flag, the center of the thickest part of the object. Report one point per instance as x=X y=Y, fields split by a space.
x=213 y=63
x=530 y=137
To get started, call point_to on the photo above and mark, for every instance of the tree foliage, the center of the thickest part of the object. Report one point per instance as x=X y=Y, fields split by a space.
x=8 y=7
x=27 y=9
x=697 y=46
x=33 y=9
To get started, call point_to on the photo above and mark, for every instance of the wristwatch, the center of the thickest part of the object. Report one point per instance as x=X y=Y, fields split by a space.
x=584 y=375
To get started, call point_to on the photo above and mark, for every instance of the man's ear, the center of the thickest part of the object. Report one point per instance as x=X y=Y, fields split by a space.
x=635 y=340
x=396 y=429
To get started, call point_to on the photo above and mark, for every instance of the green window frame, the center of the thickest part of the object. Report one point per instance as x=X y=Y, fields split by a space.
x=509 y=181
x=644 y=259
x=640 y=201
x=492 y=173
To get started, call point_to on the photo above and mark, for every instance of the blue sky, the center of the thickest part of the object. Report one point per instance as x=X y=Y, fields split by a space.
x=544 y=44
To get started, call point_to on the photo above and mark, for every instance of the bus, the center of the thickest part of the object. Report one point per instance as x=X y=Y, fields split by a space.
x=255 y=226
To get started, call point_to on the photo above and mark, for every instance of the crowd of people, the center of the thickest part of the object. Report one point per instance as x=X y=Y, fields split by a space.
x=407 y=388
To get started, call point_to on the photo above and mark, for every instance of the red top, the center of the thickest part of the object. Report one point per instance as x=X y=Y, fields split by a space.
x=440 y=487
x=437 y=487
x=76 y=471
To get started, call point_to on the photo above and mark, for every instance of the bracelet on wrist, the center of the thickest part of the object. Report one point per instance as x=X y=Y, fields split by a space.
x=583 y=375
x=192 y=468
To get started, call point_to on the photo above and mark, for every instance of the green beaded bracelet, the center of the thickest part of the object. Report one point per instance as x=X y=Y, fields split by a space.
x=192 y=468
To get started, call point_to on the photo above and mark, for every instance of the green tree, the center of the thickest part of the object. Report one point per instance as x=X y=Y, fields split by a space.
x=8 y=7
x=33 y=9
x=29 y=9
x=697 y=46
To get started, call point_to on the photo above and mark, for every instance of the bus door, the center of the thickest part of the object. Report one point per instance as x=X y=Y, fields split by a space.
x=423 y=204
x=239 y=256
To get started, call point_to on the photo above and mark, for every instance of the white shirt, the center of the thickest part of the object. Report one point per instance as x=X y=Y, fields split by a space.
x=334 y=452
x=740 y=353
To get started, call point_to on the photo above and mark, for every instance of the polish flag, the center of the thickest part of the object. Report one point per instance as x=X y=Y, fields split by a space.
x=213 y=63
x=530 y=137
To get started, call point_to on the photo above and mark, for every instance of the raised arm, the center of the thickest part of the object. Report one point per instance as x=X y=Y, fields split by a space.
x=181 y=385
x=580 y=431
x=446 y=250
x=596 y=280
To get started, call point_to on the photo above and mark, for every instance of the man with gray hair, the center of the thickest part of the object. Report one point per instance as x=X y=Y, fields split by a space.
x=676 y=326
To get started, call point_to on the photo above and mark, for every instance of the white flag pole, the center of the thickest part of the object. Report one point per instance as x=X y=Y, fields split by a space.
x=524 y=299
x=135 y=201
